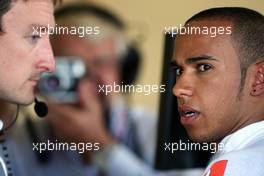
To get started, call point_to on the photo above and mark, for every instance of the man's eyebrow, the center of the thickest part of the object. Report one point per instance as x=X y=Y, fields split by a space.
x=39 y=28
x=192 y=60
x=174 y=64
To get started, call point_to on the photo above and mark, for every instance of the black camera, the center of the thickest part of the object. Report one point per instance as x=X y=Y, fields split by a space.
x=61 y=85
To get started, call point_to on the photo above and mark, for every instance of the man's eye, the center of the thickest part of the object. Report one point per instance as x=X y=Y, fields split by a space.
x=34 y=38
x=178 y=71
x=204 y=67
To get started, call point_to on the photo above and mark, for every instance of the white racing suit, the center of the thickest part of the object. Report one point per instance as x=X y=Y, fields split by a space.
x=242 y=154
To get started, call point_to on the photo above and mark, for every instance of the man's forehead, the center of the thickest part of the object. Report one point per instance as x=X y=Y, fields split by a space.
x=192 y=45
x=32 y=12
x=195 y=43
x=207 y=29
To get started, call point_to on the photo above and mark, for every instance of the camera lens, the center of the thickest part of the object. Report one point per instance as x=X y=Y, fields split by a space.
x=52 y=83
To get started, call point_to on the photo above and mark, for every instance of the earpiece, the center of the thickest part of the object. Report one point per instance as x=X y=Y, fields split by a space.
x=1 y=125
x=130 y=66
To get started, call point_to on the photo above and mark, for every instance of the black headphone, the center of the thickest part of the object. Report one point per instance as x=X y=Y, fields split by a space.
x=131 y=62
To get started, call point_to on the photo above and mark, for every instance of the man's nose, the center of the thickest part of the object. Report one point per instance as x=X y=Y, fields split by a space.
x=46 y=62
x=183 y=88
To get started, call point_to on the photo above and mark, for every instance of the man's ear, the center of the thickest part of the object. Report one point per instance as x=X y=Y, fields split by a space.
x=258 y=84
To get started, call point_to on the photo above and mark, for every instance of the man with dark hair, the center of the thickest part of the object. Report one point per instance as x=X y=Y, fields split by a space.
x=25 y=55
x=220 y=88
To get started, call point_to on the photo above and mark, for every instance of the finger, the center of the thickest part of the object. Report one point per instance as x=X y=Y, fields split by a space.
x=61 y=112
x=88 y=95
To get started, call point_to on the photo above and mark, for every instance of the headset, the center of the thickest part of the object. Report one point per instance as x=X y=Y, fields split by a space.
x=131 y=61
x=40 y=107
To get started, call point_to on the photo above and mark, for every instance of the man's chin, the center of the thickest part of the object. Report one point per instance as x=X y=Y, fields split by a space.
x=196 y=136
x=199 y=137
x=196 y=139
x=25 y=101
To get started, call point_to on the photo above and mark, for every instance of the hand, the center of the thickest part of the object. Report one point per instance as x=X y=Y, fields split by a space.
x=84 y=123
x=107 y=74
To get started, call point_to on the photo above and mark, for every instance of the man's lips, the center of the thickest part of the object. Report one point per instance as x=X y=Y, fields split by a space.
x=35 y=78
x=34 y=81
x=188 y=114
